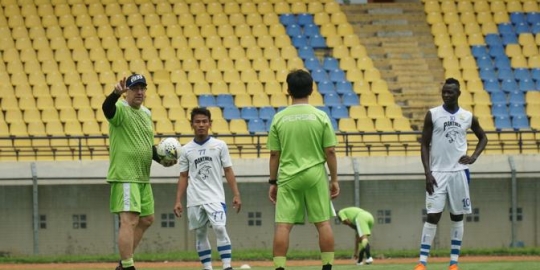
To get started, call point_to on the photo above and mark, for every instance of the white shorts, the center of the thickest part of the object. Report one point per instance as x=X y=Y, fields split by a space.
x=200 y=215
x=454 y=187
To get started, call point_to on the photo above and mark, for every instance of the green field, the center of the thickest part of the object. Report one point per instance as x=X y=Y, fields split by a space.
x=531 y=265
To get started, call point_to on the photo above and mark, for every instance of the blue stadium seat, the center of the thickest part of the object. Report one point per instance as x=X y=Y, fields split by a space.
x=509 y=85
x=535 y=74
x=311 y=30
x=479 y=51
x=249 y=113
x=496 y=50
x=299 y=41
x=231 y=113
x=339 y=112
x=267 y=113
x=325 y=109
x=520 y=122
x=516 y=110
x=305 y=19
x=492 y=85
x=533 y=18
x=521 y=28
x=499 y=110
x=334 y=123
x=527 y=85
x=505 y=73
x=332 y=100
x=484 y=62
x=487 y=73
x=267 y=125
x=287 y=19
x=493 y=40
x=256 y=125
x=293 y=29
x=517 y=17
x=344 y=87
x=337 y=75
x=312 y=63
x=225 y=100
x=522 y=73
x=509 y=38
x=516 y=97
x=326 y=87
x=317 y=41
x=503 y=122
x=306 y=52
x=207 y=101
x=506 y=28
x=350 y=99
x=330 y=63
x=502 y=62
x=498 y=98
x=535 y=28
x=319 y=75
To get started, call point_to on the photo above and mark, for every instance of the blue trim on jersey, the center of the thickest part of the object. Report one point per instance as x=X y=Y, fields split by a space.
x=203 y=142
x=468 y=175
x=224 y=207
x=450 y=111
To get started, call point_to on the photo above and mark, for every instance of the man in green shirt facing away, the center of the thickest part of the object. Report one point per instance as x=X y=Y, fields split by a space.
x=131 y=153
x=301 y=140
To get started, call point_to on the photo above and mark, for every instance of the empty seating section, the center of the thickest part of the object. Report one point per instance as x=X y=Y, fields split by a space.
x=505 y=75
x=63 y=58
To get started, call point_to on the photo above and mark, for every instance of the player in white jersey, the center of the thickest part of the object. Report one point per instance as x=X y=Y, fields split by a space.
x=202 y=162
x=445 y=160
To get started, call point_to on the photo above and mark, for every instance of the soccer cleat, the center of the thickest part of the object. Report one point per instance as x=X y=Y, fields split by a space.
x=420 y=266
x=369 y=260
x=453 y=267
x=228 y=268
x=359 y=263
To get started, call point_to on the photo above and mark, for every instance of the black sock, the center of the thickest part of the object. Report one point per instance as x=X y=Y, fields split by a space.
x=280 y=268
x=327 y=267
x=368 y=251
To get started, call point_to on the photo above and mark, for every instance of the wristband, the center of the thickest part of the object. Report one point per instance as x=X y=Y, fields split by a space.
x=272 y=181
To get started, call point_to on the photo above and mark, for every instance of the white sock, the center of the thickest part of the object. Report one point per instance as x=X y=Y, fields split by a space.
x=223 y=245
x=203 y=247
x=456 y=237
x=428 y=233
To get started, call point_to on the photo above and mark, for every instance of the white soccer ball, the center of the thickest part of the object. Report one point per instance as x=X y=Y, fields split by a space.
x=169 y=149
x=245 y=266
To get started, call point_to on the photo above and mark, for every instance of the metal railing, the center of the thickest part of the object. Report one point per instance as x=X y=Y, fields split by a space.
x=254 y=145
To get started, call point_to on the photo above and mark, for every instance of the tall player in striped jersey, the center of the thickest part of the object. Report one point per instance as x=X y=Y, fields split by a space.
x=445 y=160
x=202 y=162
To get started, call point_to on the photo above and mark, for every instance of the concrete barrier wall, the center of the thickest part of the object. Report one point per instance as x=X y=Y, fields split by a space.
x=392 y=188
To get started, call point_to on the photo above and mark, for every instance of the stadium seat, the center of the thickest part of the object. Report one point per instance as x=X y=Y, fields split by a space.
x=225 y=101
x=516 y=109
x=350 y=99
x=499 y=110
x=207 y=100
x=503 y=122
x=339 y=112
x=497 y=98
x=230 y=113
x=331 y=99
x=249 y=113
x=256 y=125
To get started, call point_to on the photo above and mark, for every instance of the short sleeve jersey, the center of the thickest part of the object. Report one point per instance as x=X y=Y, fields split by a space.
x=449 y=140
x=131 y=139
x=204 y=163
x=357 y=216
x=300 y=132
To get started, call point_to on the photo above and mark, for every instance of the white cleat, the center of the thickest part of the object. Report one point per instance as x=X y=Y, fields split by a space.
x=369 y=260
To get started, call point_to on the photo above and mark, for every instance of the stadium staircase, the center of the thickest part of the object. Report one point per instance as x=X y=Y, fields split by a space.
x=399 y=41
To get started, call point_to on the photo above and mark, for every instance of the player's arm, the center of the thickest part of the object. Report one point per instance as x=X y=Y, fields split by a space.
x=356 y=245
x=482 y=142
x=109 y=104
x=231 y=179
x=331 y=161
x=425 y=144
x=273 y=164
x=180 y=191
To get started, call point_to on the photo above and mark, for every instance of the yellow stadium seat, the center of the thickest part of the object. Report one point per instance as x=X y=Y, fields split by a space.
x=208 y=65
x=253 y=19
x=385 y=125
x=401 y=124
x=31 y=115
x=482 y=110
x=242 y=100
x=278 y=100
x=514 y=6
x=393 y=111
x=202 y=88
x=347 y=125
x=501 y=17
x=531 y=6
x=533 y=110
x=237 y=87
x=261 y=100
x=530 y=50
x=476 y=39
x=176 y=114
x=375 y=111
x=248 y=75
x=379 y=86
x=219 y=125
x=534 y=61
x=238 y=126
x=357 y=111
x=189 y=100
x=355 y=75
x=362 y=87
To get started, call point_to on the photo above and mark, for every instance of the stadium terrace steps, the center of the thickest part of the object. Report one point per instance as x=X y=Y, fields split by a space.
x=399 y=40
